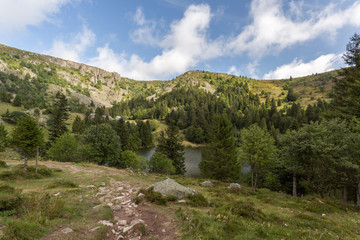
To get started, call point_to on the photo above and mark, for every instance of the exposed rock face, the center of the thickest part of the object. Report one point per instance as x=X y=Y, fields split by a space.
x=169 y=187
x=207 y=184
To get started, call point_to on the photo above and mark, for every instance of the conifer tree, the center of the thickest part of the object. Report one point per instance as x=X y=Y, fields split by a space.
x=57 y=121
x=170 y=143
x=219 y=158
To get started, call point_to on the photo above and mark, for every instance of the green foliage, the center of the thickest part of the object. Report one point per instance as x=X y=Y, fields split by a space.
x=64 y=149
x=19 y=173
x=17 y=101
x=129 y=159
x=170 y=144
x=152 y=196
x=13 y=117
x=26 y=137
x=258 y=150
x=22 y=229
x=246 y=210
x=160 y=163
x=59 y=115
x=3 y=138
x=63 y=183
x=10 y=198
x=3 y=164
x=291 y=96
x=195 y=134
x=197 y=200
x=105 y=145
x=219 y=158
x=78 y=125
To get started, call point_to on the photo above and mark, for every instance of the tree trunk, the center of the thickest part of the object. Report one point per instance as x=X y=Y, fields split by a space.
x=252 y=179
x=294 y=190
x=345 y=197
x=358 y=194
x=256 y=177
x=37 y=158
x=25 y=163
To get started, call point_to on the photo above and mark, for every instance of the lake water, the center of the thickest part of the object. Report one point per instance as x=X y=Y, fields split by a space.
x=192 y=159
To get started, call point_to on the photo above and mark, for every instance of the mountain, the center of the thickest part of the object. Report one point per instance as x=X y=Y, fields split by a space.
x=86 y=84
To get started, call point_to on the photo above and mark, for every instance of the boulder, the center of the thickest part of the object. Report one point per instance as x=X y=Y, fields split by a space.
x=234 y=186
x=207 y=184
x=169 y=187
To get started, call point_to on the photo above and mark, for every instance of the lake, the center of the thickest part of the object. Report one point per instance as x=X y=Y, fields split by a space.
x=192 y=159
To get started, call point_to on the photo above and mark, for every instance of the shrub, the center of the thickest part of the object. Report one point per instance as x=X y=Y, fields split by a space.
x=160 y=163
x=3 y=164
x=64 y=149
x=247 y=210
x=152 y=196
x=197 y=200
x=129 y=159
x=10 y=198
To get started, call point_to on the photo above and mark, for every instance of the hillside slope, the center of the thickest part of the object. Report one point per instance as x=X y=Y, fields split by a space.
x=87 y=83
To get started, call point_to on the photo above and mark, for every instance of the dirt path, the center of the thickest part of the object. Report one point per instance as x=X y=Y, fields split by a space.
x=130 y=220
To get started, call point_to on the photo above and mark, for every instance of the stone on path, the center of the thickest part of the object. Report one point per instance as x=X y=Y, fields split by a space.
x=67 y=230
x=106 y=223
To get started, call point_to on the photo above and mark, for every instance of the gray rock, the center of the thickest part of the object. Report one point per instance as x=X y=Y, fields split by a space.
x=106 y=223
x=234 y=186
x=207 y=184
x=67 y=230
x=95 y=229
x=169 y=187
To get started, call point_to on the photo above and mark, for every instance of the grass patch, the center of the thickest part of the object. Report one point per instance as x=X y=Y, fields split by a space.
x=197 y=200
x=3 y=164
x=10 y=199
x=63 y=183
x=17 y=172
x=153 y=197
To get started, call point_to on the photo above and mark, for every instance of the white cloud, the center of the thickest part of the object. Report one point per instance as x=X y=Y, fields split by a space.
x=233 y=70
x=75 y=47
x=272 y=30
x=182 y=48
x=297 y=68
x=18 y=14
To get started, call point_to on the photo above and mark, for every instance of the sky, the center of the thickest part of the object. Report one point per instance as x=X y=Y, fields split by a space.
x=161 y=39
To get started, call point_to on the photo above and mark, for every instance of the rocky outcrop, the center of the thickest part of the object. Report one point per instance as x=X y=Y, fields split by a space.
x=207 y=184
x=169 y=187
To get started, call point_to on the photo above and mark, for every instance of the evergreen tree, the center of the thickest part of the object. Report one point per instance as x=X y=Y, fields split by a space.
x=219 y=158
x=3 y=138
x=170 y=144
x=17 y=101
x=78 y=125
x=57 y=121
x=26 y=137
x=64 y=149
x=123 y=132
x=346 y=91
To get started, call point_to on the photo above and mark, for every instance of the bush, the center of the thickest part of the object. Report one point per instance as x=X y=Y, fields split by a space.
x=64 y=149
x=129 y=159
x=3 y=164
x=247 y=210
x=153 y=197
x=160 y=163
x=10 y=198
x=18 y=172
x=22 y=229
x=197 y=200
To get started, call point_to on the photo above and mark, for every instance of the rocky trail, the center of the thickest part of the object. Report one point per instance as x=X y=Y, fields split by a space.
x=130 y=220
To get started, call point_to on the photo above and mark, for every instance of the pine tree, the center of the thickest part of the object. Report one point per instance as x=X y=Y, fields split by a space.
x=3 y=137
x=346 y=92
x=57 y=121
x=170 y=143
x=78 y=125
x=219 y=158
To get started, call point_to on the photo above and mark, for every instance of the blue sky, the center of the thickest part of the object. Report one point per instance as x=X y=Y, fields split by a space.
x=161 y=39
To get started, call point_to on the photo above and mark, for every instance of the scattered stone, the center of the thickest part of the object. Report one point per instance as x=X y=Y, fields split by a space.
x=117 y=208
x=106 y=223
x=140 y=195
x=122 y=222
x=207 y=184
x=169 y=187
x=126 y=202
x=120 y=188
x=182 y=201
x=90 y=186
x=67 y=230
x=234 y=186
x=100 y=205
x=57 y=194
x=133 y=224
x=323 y=214
x=103 y=184
x=118 y=198
x=163 y=230
x=95 y=229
